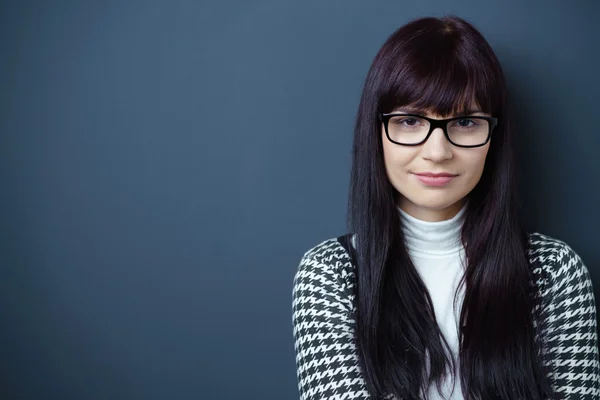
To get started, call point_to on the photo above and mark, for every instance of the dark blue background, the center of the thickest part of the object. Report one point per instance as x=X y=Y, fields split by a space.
x=165 y=164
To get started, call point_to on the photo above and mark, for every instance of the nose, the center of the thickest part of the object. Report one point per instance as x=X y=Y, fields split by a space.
x=437 y=148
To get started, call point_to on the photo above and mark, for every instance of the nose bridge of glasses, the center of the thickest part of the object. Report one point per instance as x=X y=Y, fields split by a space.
x=438 y=126
x=436 y=123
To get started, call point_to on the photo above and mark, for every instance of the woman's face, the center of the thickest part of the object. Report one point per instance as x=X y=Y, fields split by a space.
x=432 y=199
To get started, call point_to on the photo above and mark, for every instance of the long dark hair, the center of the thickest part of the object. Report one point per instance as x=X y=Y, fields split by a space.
x=441 y=65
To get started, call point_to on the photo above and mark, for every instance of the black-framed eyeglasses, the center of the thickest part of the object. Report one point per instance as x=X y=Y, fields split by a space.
x=415 y=129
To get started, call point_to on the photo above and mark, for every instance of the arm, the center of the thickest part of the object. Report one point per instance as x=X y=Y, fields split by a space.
x=326 y=359
x=571 y=337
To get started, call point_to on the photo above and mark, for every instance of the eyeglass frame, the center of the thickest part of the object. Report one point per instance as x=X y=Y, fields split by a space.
x=438 y=123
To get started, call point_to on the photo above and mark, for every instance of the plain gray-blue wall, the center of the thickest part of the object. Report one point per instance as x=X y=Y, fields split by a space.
x=165 y=164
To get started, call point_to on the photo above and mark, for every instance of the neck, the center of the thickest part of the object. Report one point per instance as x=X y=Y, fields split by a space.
x=430 y=215
x=436 y=238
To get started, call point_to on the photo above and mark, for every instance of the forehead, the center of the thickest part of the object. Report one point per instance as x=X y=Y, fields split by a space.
x=472 y=109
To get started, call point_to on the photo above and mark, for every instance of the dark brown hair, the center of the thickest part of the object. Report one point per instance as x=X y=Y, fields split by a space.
x=441 y=65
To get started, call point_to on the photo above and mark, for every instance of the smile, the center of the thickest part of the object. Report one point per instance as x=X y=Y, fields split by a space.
x=435 y=179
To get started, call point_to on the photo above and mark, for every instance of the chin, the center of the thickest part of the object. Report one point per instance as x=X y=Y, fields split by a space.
x=431 y=204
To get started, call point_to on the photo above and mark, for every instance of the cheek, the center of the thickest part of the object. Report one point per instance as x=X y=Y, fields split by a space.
x=474 y=164
x=398 y=161
x=396 y=158
x=388 y=154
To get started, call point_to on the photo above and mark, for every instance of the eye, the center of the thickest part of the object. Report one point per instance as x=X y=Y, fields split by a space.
x=466 y=122
x=406 y=121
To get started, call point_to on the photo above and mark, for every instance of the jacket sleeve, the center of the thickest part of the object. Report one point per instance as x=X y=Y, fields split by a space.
x=571 y=336
x=323 y=326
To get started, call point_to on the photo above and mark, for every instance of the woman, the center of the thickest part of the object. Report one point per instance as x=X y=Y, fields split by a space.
x=439 y=293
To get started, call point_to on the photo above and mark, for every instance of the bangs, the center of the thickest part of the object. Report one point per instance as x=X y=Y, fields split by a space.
x=442 y=79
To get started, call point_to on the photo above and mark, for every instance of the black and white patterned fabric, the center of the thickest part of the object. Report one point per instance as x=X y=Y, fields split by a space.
x=323 y=322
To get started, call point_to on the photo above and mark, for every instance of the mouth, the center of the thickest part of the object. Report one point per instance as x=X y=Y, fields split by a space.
x=435 y=179
x=436 y=175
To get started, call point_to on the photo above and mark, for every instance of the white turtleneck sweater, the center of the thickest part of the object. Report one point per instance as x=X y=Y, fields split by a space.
x=438 y=255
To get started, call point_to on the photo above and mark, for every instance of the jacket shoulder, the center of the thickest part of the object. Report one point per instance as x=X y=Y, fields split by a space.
x=327 y=251
x=554 y=261
x=327 y=267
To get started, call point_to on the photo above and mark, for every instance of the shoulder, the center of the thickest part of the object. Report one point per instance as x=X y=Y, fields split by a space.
x=327 y=268
x=326 y=251
x=328 y=255
x=554 y=262
x=544 y=248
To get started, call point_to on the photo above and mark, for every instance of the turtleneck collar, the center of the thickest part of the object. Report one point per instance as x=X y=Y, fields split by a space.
x=433 y=239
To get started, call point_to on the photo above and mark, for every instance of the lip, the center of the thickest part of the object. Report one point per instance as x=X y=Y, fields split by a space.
x=436 y=175
x=439 y=179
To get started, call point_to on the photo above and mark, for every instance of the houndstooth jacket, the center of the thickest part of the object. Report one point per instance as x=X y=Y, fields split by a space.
x=323 y=324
